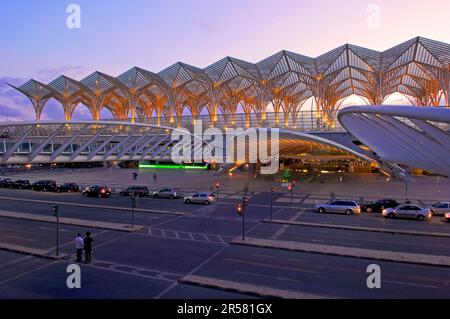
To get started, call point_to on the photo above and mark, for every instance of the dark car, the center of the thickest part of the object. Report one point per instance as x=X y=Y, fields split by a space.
x=44 y=186
x=141 y=191
x=6 y=183
x=67 y=188
x=97 y=191
x=379 y=205
x=21 y=184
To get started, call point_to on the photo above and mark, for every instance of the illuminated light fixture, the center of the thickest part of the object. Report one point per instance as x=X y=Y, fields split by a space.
x=166 y=166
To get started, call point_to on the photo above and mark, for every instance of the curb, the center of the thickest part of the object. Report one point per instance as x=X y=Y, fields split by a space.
x=70 y=222
x=32 y=252
x=245 y=289
x=357 y=228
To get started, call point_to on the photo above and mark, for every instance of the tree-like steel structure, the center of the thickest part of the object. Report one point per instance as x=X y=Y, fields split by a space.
x=419 y=69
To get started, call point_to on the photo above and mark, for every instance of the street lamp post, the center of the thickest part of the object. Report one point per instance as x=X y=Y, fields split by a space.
x=406 y=191
x=133 y=206
x=272 y=192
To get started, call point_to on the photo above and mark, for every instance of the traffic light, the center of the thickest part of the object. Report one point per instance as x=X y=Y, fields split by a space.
x=239 y=209
x=217 y=185
x=272 y=190
x=55 y=210
x=245 y=201
x=290 y=187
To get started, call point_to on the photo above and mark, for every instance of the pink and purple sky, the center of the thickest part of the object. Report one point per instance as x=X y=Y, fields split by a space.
x=153 y=34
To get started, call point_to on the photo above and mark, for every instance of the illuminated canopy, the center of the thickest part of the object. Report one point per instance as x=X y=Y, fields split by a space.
x=418 y=68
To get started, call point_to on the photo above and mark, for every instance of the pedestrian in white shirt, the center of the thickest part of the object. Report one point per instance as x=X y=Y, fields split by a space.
x=79 y=244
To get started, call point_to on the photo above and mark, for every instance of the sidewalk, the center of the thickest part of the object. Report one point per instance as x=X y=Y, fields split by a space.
x=382 y=255
x=31 y=251
x=72 y=221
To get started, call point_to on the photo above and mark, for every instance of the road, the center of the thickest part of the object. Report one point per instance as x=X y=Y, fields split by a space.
x=148 y=263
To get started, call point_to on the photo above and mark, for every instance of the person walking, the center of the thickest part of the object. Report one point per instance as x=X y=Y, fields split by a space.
x=79 y=245
x=154 y=178
x=88 y=247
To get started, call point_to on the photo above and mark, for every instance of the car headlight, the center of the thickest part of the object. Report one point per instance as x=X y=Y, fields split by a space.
x=447 y=215
x=384 y=211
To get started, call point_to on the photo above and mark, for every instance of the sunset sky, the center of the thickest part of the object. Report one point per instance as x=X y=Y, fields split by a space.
x=117 y=35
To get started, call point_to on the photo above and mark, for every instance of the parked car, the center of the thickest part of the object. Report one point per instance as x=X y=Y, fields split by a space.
x=410 y=211
x=339 y=206
x=97 y=191
x=167 y=193
x=44 y=186
x=447 y=217
x=21 y=184
x=141 y=191
x=379 y=205
x=440 y=208
x=200 y=198
x=6 y=183
x=67 y=188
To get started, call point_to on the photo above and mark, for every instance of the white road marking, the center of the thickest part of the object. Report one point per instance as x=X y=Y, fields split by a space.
x=409 y=284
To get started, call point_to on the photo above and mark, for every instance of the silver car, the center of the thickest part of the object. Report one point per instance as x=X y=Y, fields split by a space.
x=167 y=193
x=410 y=211
x=440 y=208
x=339 y=206
x=200 y=198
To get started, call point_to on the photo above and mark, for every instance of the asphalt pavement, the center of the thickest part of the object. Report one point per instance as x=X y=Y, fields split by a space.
x=150 y=263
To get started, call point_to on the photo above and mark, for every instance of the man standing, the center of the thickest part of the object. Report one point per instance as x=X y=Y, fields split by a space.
x=79 y=244
x=88 y=247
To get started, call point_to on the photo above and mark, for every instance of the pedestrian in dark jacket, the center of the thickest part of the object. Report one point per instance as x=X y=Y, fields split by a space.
x=88 y=247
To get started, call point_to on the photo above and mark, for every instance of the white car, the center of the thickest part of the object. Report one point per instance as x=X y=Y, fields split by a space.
x=440 y=208
x=200 y=198
x=410 y=211
x=347 y=207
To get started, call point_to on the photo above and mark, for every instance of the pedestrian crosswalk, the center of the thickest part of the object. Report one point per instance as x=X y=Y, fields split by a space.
x=135 y=271
x=192 y=236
